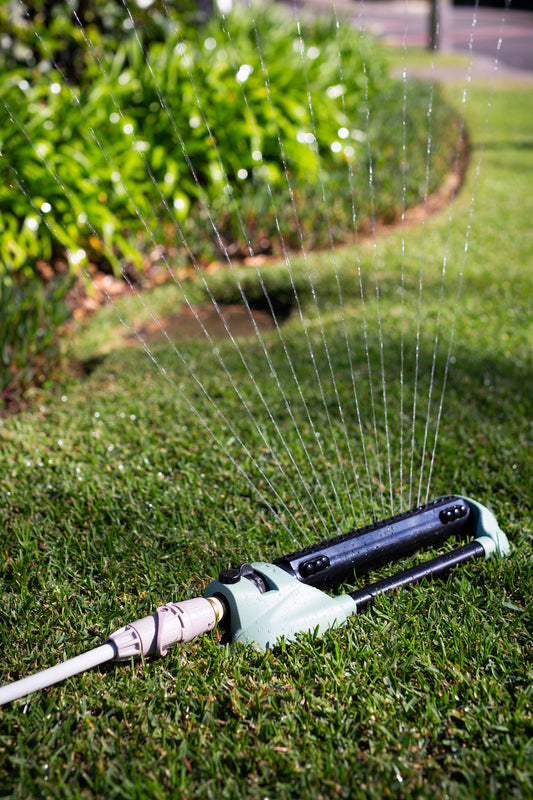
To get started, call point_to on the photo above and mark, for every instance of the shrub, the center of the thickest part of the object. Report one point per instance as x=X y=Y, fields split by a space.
x=201 y=141
x=136 y=147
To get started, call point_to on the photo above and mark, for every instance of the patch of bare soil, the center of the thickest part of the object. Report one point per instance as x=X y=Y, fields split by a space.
x=230 y=320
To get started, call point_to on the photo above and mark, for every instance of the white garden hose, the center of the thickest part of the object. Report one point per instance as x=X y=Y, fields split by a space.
x=92 y=658
x=170 y=624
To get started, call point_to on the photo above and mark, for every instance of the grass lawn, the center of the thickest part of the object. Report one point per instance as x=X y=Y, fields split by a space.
x=116 y=499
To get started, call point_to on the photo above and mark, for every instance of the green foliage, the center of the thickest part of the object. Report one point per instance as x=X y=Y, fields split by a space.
x=157 y=139
x=43 y=34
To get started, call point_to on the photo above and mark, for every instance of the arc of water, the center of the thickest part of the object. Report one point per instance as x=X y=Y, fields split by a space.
x=477 y=174
x=152 y=356
x=206 y=286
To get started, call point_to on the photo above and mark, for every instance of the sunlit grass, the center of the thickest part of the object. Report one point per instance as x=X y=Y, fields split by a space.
x=115 y=499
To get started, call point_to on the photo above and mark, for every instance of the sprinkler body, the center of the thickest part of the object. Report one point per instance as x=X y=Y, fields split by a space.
x=264 y=602
x=260 y=603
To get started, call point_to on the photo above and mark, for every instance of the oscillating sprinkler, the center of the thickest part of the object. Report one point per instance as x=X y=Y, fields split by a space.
x=260 y=603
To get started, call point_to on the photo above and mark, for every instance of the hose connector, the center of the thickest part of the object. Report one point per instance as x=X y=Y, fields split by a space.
x=174 y=623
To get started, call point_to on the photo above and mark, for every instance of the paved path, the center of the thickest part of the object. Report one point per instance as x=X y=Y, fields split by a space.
x=463 y=29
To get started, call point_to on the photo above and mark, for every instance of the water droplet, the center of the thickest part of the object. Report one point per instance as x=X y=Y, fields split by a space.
x=242 y=174
x=128 y=128
x=32 y=223
x=132 y=416
x=114 y=117
x=343 y=133
x=335 y=91
x=24 y=85
x=46 y=208
x=55 y=88
x=336 y=147
x=210 y=43
x=313 y=52
x=64 y=398
x=298 y=46
x=124 y=78
x=244 y=72
x=257 y=155
x=78 y=256
x=96 y=414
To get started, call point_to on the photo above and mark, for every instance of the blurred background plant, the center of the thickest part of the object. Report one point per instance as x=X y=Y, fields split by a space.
x=137 y=128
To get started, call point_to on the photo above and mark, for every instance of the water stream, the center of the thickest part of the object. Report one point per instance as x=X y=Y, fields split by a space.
x=380 y=464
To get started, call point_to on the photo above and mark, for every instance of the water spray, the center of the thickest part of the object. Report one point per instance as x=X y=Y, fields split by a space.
x=260 y=603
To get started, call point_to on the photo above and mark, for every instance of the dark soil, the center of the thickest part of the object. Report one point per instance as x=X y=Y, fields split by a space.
x=231 y=320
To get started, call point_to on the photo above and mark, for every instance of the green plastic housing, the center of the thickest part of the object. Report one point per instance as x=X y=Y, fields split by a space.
x=487 y=531
x=285 y=610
